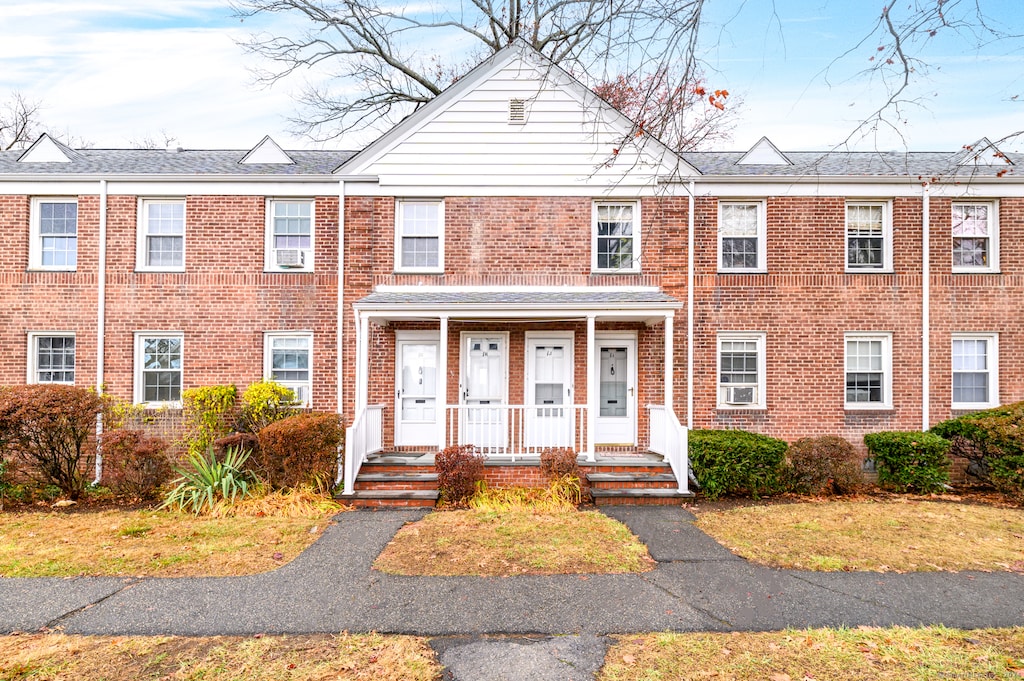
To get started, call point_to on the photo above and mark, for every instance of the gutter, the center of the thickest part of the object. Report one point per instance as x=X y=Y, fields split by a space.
x=926 y=292
x=690 y=240
x=101 y=312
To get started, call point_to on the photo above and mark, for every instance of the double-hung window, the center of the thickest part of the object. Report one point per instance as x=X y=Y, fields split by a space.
x=975 y=375
x=419 y=236
x=741 y=370
x=289 y=236
x=288 y=361
x=868 y=237
x=51 y=358
x=868 y=371
x=158 y=370
x=741 y=236
x=975 y=247
x=161 y=235
x=616 y=237
x=54 y=234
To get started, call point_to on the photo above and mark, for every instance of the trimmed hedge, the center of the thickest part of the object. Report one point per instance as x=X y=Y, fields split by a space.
x=910 y=460
x=993 y=442
x=299 y=450
x=737 y=462
x=134 y=464
x=459 y=469
x=822 y=466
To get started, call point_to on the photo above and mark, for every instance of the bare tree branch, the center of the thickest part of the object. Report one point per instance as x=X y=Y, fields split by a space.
x=19 y=122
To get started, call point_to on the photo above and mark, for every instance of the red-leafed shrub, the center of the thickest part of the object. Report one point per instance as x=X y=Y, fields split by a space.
x=459 y=469
x=823 y=466
x=245 y=442
x=300 y=450
x=134 y=463
x=50 y=429
x=559 y=462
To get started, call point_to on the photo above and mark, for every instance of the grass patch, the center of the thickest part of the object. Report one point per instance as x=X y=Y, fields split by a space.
x=862 y=654
x=150 y=543
x=297 y=658
x=490 y=543
x=885 y=536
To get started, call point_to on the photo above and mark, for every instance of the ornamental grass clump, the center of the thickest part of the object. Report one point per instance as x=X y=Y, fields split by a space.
x=210 y=481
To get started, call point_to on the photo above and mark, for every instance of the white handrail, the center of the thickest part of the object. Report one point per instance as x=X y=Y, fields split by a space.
x=364 y=437
x=671 y=439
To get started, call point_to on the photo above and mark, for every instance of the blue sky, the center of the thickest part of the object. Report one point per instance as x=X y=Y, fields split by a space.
x=115 y=71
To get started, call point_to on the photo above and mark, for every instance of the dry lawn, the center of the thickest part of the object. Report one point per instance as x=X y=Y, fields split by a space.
x=878 y=535
x=296 y=658
x=862 y=654
x=498 y=544
x=149 y=543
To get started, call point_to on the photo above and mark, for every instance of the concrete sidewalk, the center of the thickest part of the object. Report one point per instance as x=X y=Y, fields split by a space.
x=697 y=586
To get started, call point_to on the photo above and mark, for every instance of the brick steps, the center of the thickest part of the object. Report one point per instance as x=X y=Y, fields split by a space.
x=647 y=485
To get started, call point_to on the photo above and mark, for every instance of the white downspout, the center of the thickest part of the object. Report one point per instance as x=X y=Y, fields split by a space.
x=926 y=291
x=101 y=311
x=689 y=306
x=340 y=326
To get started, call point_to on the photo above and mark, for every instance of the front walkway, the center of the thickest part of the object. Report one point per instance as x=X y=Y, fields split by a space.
x=697 y=586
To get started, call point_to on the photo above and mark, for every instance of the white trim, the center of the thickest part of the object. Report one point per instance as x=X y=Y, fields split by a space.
x=632 y=339
x=887 y=377
x=992 y=359
x=464 y=359
x=268 y=369
x=487 y=288
x=268 y=239
x=142 y=234
x=762 y=238
x=993 y=237
x=35 y=246
x=399 y=214
x=32 y=356
x=635 y=262
x=137 y=372
x=760 y=400
x=425 y=337
x=926 y=308
x=556 y=336
x=887 y=238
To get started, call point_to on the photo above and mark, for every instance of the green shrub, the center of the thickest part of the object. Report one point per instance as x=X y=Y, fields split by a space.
x=209 y=480
x=134 y=463
x=300 y=450
x=205 y=412
x=264 y=403
x=910 y=461
x=823 y=466
x=459 y=469
x=50 y=430
x=559 y=462
x=993 y=443
x=736 y=462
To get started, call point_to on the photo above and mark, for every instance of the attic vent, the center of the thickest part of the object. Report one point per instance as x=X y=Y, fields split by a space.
x=516 y=111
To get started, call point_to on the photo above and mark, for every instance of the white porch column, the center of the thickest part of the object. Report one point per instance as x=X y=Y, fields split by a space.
x=593 y=399
x=362 y=361
x=442 y=385
x=669 y=367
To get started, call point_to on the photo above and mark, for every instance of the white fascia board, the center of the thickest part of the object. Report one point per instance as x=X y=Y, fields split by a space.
x=849 y=187
x=204 y=186
x=514 y=310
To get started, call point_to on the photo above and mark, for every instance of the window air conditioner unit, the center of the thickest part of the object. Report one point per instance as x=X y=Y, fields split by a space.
x=289 y=257
x=737 y=395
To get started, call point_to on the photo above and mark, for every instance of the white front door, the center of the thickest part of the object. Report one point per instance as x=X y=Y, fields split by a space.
x=550 y=418
x=615 y=422
x=416 y=407
x=483 y=417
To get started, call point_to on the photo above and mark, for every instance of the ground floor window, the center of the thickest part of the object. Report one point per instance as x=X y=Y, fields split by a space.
x=158 y=368
x=52 y=358
x=287 y=360
x=975 y=381
x=868 y=371
x=741 y=372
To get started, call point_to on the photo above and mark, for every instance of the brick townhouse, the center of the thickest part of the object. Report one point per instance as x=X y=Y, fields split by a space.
x=510 y=266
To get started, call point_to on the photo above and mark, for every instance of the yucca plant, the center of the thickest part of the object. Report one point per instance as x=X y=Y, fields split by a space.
x=210 y=480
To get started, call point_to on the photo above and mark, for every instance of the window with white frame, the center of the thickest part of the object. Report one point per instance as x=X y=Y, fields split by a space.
x=161 y=235
x=51 y=358
x=975 y=247
x=741 y=236
x=289 y=235
x=868 y=371
x=54 y=234
x=868 y=237
x=741 y=370
x=616 y=237
x=288 y=361
x=158 y=368
x=419 y=236
x=975 y=375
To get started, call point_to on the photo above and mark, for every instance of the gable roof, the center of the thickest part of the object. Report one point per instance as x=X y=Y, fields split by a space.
x=267 y=151
x=48 y=150
x=764 y=153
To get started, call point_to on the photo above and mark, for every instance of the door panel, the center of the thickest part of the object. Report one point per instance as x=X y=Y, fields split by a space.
x=416 y=409
x=615 y=422
x=484 y=422
x=549 y=385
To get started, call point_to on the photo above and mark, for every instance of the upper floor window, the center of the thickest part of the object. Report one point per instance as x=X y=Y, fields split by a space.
x=975 y=376
x=158 y=370
x=868 y=371
x=289 y=236
x=616 y=237
x=741 y=370
x=741 y=237
x=54 y=234
x=868 y=237
x=286 y=358
x=51 y=358
x=161 y=235
x=419 y=236
x=974 y=237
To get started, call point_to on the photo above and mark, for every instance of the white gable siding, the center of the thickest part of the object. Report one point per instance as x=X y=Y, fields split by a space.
x=565 y=146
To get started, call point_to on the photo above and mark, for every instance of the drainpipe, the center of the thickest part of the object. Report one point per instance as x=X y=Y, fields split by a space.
x=926 y=290
x=689 y=306
x=101 y=311
x=340 y=329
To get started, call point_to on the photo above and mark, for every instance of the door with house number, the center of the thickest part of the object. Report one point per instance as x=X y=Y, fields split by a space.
x=483 y=417
x=549 y=415
x=416 y=407
x=615 y=422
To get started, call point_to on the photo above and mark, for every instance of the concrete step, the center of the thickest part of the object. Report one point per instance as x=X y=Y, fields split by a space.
x=396 y=481
x=640 y=496
x=376 y=498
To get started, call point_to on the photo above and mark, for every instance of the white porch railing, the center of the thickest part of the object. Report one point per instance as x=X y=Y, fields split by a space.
x=516 y=429
x=670 y=439
x=364 y=437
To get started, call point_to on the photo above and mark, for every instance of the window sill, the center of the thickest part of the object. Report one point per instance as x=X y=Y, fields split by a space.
x=169 y=270
x=51 y=269
x=628 y=273
x=866 y=270
x=287 y=270
x=741 y=272
x=740 y=407
x=975 y=270
x=859 y=409
x=432 y=272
